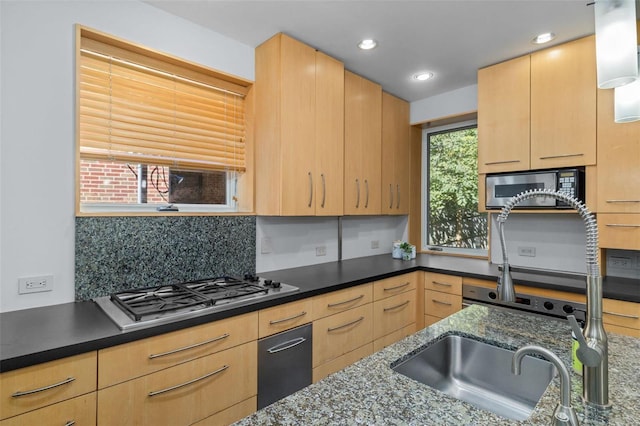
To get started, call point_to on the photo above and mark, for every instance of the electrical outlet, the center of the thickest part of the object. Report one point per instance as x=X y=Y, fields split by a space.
x=621 y=262
x=35 y=284
x=321 y=251
x=527 y=251
x=375 y=244
x=266 y=246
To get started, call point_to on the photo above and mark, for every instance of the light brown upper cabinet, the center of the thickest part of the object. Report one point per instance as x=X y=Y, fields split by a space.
x=396 y=155
x=618 y=174
x=299 y=130
x=563 y=105
x=362 y=145
x=503 y=116
x=539 y=111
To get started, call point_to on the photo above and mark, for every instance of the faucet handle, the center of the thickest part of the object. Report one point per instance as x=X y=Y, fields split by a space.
x=589 y=356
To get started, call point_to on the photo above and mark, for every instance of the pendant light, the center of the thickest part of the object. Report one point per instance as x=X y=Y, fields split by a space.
x=627 y=102
x=616 y=54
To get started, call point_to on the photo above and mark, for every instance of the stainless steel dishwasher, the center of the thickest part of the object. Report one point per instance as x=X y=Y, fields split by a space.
x=284 y=364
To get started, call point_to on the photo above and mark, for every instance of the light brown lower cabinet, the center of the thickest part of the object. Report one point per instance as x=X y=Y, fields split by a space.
x=231 y=414
x=185 y=393
x=442 y=296
x=621 y=317
x=78 y=411
x=393 y=313
x=42 y=385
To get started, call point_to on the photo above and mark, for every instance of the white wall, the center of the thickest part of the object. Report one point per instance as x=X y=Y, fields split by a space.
x=288 y=242
x=455 y=102
x=37 y=152
x=559 y=241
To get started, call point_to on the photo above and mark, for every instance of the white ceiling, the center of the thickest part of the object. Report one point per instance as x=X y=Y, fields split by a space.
x=452 y=38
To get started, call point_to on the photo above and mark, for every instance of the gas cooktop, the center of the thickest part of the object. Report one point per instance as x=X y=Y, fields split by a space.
x=150 y=306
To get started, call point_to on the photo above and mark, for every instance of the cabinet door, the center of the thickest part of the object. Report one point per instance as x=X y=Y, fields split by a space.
x=503 y=116
x=329 y=143
x=297 y=124
x=563 y=105
x=34 y=387
x=79 y=411
x=619 y=230
x=618 y=173
x=362 y=145
x=396 y=152
x=393 y=313
x=185 y=393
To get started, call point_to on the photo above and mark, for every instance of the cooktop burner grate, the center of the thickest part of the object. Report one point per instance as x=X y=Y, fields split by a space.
x=152 y=300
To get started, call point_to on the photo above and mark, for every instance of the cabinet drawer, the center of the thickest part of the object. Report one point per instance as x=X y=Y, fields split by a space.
x=342 y=300
x=621 y=313
x=341 y=362
x=441 y=305
x=430 y=320
x=79 y=411
x=443 y=283
x=621 y=231
x=341 y=333
x=231 y=414
x=394 y=285
x=135 y=359
x=185 y=393
x=283 y=317
x=393 y=313
x=33 y=387
x=625 y=331
x=393 y=337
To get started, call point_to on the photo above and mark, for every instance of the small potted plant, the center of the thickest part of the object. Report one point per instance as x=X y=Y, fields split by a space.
x=407 y=250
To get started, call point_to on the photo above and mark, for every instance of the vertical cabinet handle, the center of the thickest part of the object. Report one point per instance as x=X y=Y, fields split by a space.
x=366 y=200
x=391 y=196
x=310 y=189
x=357 y=193
x=324 y=190
x=398 y=197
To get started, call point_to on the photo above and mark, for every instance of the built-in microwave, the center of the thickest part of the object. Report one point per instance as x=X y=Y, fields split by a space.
x=500 y=187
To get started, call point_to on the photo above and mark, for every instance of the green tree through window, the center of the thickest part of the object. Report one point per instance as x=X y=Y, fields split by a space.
x=452 y=217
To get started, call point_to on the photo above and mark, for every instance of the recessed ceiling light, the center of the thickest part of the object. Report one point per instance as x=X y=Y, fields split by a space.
x=367 y=44
x=543 y=38
x=423 y=76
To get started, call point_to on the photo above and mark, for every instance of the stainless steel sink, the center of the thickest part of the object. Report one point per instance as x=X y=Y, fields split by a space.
x=480 y=374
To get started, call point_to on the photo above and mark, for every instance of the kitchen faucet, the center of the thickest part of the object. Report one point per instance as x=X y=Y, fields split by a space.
x=593 y=349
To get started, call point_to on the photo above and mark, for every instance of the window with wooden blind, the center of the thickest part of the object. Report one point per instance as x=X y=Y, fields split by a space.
x=155 y=130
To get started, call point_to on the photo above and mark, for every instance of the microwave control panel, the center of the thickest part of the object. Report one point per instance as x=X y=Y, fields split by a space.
x=569 y=184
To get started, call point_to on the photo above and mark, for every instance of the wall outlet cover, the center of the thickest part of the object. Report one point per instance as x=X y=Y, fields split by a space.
x=35 y=284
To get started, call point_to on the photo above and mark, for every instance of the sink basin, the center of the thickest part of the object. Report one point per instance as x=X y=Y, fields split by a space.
x=480 y=374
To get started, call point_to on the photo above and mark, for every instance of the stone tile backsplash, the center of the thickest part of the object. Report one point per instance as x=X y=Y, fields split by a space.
x=119 y=253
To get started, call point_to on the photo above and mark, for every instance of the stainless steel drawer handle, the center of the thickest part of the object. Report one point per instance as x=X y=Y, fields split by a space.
x=442 y=284
x=366 y=200
x=501 y=162
x=324 y=190
x=357 y=193
x=391 y=308
x=398 y=197
x=190 y=382
x=396 y=287
x=440 y=302
x=622 y=225
x=186 y=348
x=561 y=156
x=623 y=201
x=330 y=329
x=286 y=345
x=42 y=389
x=70 y=423
x=391 y=196
x=301 y=314
x=310 y=189
x=621 y=315
x=333 y=305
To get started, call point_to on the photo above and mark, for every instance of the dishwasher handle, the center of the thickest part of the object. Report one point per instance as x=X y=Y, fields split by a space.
x=286 y=345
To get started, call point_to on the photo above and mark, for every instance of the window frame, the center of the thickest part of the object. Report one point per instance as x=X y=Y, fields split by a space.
x=424 y=196
x=239 y=185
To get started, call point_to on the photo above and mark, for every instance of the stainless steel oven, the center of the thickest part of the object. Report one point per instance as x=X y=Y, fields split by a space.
x=501 y=187
x=475 y=295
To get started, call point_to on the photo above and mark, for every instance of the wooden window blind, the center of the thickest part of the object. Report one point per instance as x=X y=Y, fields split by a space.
x=140 y=106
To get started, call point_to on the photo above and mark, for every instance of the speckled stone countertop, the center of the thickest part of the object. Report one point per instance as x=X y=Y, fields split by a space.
x=370 y=393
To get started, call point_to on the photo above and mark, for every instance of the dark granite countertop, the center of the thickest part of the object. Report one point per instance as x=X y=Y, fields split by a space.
x=37 y=335
x=369 y=392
